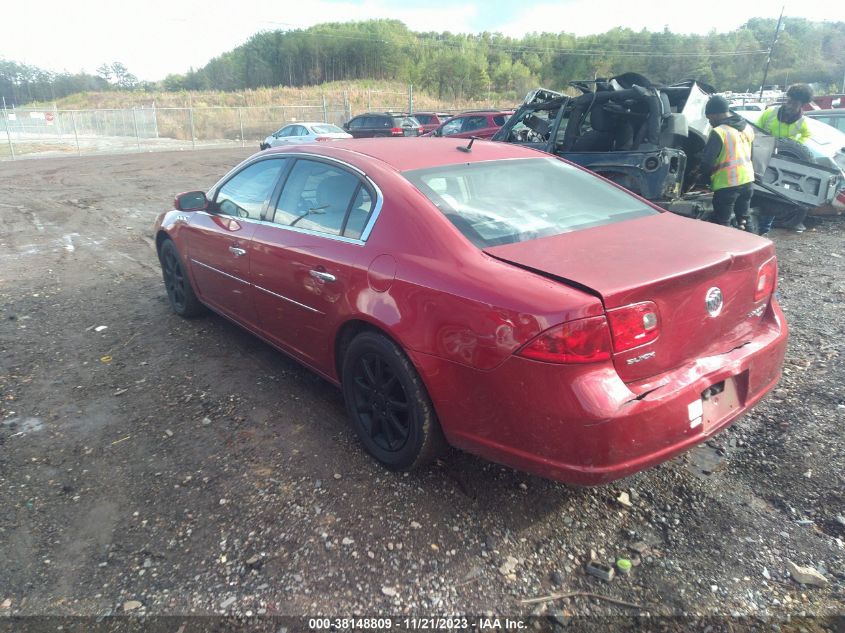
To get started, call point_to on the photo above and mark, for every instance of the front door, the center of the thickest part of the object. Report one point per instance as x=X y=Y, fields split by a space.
x=219 y=241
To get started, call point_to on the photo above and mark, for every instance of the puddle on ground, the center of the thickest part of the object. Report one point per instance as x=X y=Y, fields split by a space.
x=703 y=461
x=22 y=426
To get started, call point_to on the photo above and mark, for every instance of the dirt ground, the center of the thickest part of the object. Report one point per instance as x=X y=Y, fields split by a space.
x=166 y=466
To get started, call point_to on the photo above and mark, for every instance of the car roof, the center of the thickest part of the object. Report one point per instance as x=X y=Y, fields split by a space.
x=404 y=154
x=838 y=111
x=485 y=112
x=307 y=123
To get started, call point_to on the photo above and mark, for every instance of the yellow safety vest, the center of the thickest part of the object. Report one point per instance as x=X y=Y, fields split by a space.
x=733 y=166
x=797 y=131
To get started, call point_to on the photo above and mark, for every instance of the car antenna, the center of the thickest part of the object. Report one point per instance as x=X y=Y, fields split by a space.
x=468 y=148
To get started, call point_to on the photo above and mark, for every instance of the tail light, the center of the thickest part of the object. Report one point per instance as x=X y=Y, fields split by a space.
x=396 y=131
x=767 y=278
x=581 y=341
x=633 y=325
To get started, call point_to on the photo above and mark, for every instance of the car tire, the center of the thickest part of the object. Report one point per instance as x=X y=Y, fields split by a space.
x=791 y=148
x=180 y=293
x=388 y=405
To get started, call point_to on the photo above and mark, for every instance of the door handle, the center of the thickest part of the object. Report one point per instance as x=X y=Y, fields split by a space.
x=319 y=274
x=237 y=252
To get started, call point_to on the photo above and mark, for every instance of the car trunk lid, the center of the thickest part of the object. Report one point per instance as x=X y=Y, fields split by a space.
x=669 y=260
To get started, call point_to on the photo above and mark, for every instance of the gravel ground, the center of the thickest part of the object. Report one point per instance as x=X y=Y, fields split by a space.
x=168 y=467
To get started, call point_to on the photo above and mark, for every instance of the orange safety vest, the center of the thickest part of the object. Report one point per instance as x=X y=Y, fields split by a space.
x=733 y=166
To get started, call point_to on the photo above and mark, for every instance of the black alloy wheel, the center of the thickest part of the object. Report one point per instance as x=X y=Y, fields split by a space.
x=179 y=290
x=388 y=405
x=381 y=402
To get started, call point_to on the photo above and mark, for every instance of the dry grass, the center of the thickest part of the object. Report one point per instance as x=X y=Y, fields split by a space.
x=360 y=96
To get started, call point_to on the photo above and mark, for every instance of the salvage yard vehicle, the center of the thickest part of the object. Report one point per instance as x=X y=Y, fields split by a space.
x=478 y=124
x=382 y=124
x=649 y=139
x=579 y=333
x=304 y=132
x=431 y=120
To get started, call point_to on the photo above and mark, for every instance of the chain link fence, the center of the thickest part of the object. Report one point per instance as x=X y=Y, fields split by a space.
x=33 y=132
x=30 y=133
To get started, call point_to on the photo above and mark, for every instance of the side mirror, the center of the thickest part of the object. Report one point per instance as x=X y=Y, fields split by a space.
x=191 y=201
x=346 y=126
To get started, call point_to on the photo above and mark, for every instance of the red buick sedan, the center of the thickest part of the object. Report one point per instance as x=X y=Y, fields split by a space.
x=502 y=300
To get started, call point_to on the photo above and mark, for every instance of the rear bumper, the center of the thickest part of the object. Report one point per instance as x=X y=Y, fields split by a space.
x=583 y=425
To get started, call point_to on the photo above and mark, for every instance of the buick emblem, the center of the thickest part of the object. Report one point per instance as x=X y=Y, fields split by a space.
x=713 y=301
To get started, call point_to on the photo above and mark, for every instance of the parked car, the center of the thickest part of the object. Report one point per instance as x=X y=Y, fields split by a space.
x=431 y=120
x=505 y=300
x=482 y=124
x=834 y=117
x=304 y=132
x=649 y=139
x=378 y=124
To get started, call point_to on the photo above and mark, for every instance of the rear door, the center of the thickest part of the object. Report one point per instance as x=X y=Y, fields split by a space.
x=219 y=239
x=310 y=261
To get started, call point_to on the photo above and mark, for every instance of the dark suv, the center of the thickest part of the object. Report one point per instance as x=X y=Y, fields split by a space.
x=382 y=124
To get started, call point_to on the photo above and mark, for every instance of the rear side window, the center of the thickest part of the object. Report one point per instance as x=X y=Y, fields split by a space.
x=244 y=195
x=553 y=197
x=474 y=123
x=327 y=128
x=500 y=119
x=324 y=198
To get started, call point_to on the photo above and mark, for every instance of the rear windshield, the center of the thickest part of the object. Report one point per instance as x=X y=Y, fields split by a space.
x=327 y=128
x=423 y=118
x=507 y=201
x=405 y=121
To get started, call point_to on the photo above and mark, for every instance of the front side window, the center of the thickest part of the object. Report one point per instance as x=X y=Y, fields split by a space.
x=357 y=123
x=500 y=119
x=244 y=195
x=553 y=197
x=321 y=197
x=452 y=127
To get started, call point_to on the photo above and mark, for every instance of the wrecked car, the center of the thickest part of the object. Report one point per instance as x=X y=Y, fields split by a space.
x=649 y=139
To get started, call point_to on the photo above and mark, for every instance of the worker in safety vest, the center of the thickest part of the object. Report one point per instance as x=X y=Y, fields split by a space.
x=727 y=159
x=787 y=121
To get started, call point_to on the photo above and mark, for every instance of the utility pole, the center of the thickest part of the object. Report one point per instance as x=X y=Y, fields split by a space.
x=771 y=48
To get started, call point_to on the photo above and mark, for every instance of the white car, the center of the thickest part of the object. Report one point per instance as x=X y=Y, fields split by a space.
x=305 y=132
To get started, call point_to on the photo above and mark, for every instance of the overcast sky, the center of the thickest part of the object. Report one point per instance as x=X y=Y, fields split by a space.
x=156 y=37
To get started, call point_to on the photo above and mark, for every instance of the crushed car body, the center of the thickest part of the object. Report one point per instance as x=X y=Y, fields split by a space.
x=649 y=139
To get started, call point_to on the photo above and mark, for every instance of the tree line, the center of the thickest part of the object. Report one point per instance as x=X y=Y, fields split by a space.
x=456 y=66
